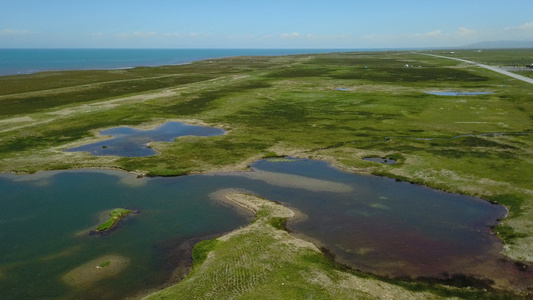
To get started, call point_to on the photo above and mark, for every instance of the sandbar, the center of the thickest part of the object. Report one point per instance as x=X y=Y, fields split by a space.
x=89 y=273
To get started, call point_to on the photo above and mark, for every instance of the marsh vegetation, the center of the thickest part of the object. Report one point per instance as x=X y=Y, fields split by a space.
x=476 y=145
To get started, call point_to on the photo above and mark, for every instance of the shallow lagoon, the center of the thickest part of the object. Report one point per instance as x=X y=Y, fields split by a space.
x=374 y=224
x=130 y=142
x=45 y=224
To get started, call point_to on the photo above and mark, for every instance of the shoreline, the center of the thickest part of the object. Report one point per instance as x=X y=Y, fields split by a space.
x=244 y=52
x=243 y=167
x=244 y=203
x=253 y=105
x=286 y=248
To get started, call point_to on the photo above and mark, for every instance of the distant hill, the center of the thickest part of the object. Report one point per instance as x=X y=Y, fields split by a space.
x=501 y=44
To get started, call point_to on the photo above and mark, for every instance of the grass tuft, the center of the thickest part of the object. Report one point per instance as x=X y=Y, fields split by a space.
x=201 y=250
x=104 y=264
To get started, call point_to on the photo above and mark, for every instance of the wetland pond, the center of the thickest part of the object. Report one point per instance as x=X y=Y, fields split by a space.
x=131 y=142
x=373 y=224
x=382 y=160
x=451 y=93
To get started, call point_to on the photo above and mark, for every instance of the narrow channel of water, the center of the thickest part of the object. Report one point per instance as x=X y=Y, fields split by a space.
x=371 y=223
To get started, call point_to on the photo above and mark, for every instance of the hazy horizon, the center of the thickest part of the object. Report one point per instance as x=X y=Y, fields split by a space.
x=239 y=24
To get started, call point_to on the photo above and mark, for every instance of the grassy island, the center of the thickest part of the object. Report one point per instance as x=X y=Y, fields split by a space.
x=115 y=216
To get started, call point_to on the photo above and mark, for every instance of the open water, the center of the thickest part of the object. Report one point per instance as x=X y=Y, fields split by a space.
x=26 y=61
x=371 y=223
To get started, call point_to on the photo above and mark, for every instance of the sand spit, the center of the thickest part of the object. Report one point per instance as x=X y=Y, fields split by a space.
x=346 y=282
x=87 y=274
x=43 y=178
x=244 y=199
x=275 y=210
x=250 y=267
x=297 y=181
x=62 y=254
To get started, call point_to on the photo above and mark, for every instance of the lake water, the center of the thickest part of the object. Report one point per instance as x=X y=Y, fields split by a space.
x=26 y=61
x=131 y=142
x=374 y=224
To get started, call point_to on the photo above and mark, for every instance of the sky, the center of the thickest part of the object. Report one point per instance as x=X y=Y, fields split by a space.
x=261 y=24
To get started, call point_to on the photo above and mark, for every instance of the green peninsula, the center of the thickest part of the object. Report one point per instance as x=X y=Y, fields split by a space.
x=115 y=216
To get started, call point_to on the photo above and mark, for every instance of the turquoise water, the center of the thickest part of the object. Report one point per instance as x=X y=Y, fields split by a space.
x=44 y=233
x=131 y=142
x=373 y=224
x=26 y=61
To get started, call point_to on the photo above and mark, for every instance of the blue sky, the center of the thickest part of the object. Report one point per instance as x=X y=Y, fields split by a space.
x=261 y=24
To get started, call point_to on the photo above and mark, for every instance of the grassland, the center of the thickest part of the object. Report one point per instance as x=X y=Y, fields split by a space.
x=275 y=106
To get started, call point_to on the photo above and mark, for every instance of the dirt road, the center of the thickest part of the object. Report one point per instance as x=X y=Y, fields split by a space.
x=492 y=68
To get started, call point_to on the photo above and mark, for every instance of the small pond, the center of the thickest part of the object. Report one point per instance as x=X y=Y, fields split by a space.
x=451 y=93
x=371 y=223
x=382 y=160
x=130 y=142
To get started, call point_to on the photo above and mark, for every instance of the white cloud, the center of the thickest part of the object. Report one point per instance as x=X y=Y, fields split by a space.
x=436 y=37
x=465 y=32
x=144 y=34
x=137 y=34
x=9 y=31
x=526 y=26
x=524 y=30
x=434 y=33
x=173 y=34
x=151 y=34
x=290 y=35
x=460 y=32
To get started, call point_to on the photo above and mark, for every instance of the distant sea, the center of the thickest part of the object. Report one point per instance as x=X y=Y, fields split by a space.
x=27 y=61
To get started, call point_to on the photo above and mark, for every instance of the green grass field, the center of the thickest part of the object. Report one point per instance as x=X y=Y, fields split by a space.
x=339 y=107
